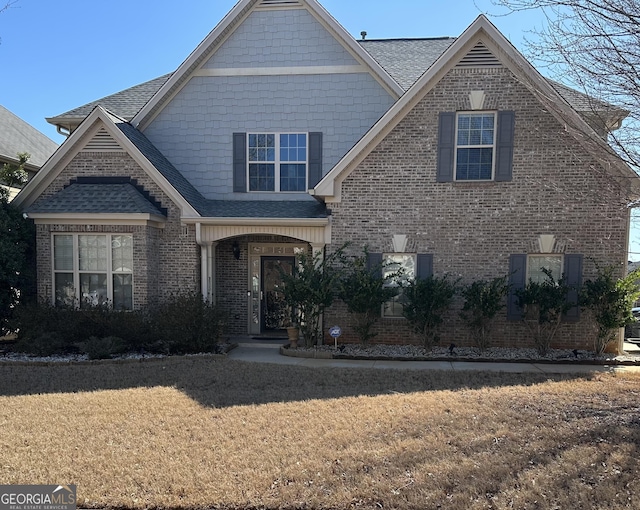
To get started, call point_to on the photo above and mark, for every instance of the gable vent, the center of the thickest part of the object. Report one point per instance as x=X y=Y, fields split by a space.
x=102 y=141
x=479 y=56
x=280 y=3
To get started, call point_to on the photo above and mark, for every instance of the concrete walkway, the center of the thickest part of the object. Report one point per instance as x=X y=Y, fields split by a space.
x=268 y=351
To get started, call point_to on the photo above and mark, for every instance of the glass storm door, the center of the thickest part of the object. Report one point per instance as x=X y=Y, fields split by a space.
x=274 y=310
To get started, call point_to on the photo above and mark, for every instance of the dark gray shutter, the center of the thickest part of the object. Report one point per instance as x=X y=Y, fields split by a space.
x=315 y=159
x=424 y=267
x=374 y=261
x=573 y=278
x=504 y=146
x=446 y=146
x=239 y=162
x=517 y=281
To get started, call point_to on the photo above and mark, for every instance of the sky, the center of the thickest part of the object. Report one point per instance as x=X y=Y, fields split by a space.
x=60 y=54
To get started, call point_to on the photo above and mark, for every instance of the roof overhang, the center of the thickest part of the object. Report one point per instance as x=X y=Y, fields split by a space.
x=153 y=220
x=280 y=222
x=97 y=118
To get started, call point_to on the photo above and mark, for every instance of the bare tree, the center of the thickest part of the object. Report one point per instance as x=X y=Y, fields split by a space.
x=7 y=5
x=594 y=46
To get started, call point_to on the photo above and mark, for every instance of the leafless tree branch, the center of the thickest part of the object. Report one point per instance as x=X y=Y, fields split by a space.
x=593 y=46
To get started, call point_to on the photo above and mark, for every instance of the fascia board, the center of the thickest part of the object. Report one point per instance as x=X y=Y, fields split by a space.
x=231 y=18
x=98 y=218
x=276 y=222
x=45 y=176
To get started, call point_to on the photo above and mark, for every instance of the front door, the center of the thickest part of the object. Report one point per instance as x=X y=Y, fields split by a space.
x=275 y=313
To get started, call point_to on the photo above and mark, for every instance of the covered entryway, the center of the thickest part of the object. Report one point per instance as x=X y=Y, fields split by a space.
x=267 y=310
x=239 y=267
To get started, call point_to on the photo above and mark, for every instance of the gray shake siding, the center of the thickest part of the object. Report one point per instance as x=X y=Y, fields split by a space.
x=470 y=228
x=280 y=39
x=194 y=131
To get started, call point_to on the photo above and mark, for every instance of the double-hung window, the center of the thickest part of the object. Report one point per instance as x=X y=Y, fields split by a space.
x=92 y=270
x=536 y=264
x=405 y=265
x=277 y=161
x=475 y=144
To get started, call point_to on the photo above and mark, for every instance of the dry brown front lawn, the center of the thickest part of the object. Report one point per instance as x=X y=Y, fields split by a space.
x=203 y=433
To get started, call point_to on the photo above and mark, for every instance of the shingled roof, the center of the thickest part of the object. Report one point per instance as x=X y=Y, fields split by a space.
x=125 y=103
x=97 y=199
x=404 y=59
x=17 y=136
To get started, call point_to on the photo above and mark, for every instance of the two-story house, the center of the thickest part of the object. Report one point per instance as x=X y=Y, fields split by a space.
x=282 y=134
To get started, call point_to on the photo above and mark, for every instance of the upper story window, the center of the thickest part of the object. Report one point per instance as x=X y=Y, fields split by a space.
x=475 y=143
x=92 y=270
x=277 y=162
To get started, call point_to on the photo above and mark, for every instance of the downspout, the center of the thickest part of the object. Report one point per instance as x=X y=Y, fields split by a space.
x=63 y=131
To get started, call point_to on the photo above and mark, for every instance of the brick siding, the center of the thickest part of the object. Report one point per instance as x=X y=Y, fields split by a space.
x=166 y=260
x=472 y=228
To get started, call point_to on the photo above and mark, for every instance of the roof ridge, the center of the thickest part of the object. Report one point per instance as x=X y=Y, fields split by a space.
x=441 y=38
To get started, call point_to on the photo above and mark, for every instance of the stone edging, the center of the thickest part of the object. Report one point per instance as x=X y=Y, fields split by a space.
x=285 y=351
x=120 y=361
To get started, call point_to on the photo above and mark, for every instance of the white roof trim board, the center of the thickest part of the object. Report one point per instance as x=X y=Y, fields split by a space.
x=228 y=25
x=96 y=122
x=480 y=31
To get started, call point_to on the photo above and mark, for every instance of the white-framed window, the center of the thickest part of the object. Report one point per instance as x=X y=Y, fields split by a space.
x=475 y=146
x=392 y=263
x=277 y=161
x=536 y=264
x=93 y=269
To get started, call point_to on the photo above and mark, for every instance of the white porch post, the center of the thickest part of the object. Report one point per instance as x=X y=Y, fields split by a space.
x=317 y=250
x=207 y=268
x=211 y=262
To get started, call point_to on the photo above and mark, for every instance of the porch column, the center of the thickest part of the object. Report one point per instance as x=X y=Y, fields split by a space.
x=211 y=262
x=208 y=270
x=317 y=250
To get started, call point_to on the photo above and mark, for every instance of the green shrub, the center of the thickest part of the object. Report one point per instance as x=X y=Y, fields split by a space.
x=103 y=348
x=543 y=305
x=77 y=326
x=311 y=289
x=610 y=299
x=426 y=300
x=187 y=324
x=45 y=344
x=363 y=290
x=483 y=300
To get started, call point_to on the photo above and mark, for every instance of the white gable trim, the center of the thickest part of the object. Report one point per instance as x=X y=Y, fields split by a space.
x=481 y=30
x=96 y=120
x=223 y=31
